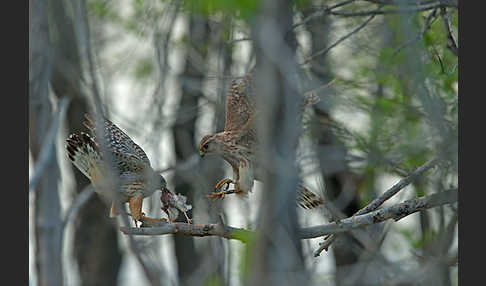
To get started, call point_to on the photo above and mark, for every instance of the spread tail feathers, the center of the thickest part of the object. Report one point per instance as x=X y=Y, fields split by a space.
x=307 y=199
x=83 y=152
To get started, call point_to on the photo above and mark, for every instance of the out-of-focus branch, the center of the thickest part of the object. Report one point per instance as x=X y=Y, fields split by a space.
x=326 y=50
x=111 y=181
x=428 y=23
x=411 y=8
x=324 y=11
x=384 y=197
x=395 y=212
x=388 y=11
x=76 y=205
x=452 y=45
x=48 y=147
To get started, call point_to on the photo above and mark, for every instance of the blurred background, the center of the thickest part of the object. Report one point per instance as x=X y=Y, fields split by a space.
x=386 y=74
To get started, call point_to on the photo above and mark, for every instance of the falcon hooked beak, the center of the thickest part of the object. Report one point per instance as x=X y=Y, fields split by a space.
x=201 y=153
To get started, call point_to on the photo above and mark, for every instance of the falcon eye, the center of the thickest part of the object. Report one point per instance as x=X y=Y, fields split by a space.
x=205 y=146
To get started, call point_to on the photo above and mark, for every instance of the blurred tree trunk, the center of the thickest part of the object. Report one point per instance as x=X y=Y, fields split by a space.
x=184 y=131
x=339 y=181
x=276 y=255
x=95 y=238
x=47 y=208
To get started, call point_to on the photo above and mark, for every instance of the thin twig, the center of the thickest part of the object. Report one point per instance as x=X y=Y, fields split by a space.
x=384 y=197
x=395 y=212
x=403 y=3
x=238 y=40
x=386 y=11
x=452 y=45
x=428 y=23
x=326 y=50
x=322 y=12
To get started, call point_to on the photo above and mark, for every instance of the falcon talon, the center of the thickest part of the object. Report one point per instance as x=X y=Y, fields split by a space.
x=217 y=195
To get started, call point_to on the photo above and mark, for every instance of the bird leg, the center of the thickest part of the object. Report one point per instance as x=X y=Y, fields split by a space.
x=114 y=210
x=135 y=205
x=148 y=221
x=224 y=183
x=189 y=221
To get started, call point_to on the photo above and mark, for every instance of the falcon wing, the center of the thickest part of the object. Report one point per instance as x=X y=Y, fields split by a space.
x=122 y=146
x=84 y=152
x=240 y=103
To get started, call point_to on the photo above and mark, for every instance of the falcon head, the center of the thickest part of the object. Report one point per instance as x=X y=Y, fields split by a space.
x=211 y=144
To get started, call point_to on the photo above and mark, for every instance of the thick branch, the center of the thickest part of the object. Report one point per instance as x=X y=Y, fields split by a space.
x=395 y=212
x=214 y=229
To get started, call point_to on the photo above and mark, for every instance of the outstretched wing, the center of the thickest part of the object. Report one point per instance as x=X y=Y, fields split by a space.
x=240 y=103
x=118 y=142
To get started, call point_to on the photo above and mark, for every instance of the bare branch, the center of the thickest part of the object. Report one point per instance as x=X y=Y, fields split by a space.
x=322 y=12
x=387 y=11
x=428 y=23
x=404 y=2
x=326 y=50
x=238 y=40
x=384 y=197
x=48 y=147
x=217 y=229
x=76 y=205
x=452 y=45
x=395 y=212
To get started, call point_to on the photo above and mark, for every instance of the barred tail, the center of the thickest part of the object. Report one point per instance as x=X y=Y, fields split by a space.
x=307 y=199
x=83 y=152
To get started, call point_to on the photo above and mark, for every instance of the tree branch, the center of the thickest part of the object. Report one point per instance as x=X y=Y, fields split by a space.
x=388 y=11
x=213 y=229
x=428 y=23
x=384 y=197
x=324 y=11
x=395 y=212
x=452 y=45
x=48 y=146
x=326 y=50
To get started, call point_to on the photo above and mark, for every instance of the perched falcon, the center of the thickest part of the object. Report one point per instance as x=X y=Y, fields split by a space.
x=136 y=178
x=238 y=142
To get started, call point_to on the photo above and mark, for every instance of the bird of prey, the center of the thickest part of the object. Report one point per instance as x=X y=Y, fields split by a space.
x=134 y=175
x=238 y=142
